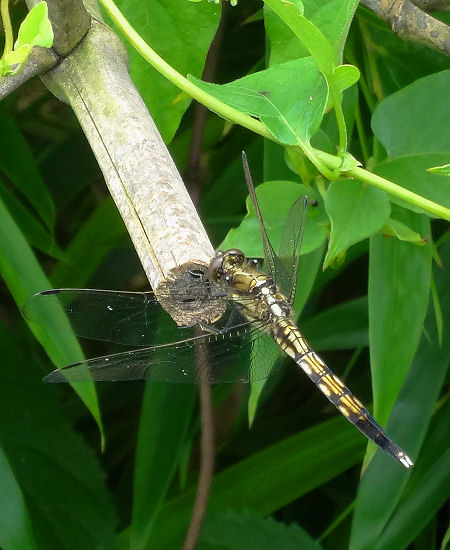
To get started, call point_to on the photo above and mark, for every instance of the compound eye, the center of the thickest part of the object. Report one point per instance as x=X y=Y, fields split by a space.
x=236 y=256
x=216 y=273
x=215 y=266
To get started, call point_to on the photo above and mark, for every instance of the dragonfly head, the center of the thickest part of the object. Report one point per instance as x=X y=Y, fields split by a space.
x=224 y=263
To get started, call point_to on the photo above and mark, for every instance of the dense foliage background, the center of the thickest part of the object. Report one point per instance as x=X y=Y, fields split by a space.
x=293 y=480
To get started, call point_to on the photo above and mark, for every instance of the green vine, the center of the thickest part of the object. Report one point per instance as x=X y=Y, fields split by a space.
x=328 y=165
x=7 y=27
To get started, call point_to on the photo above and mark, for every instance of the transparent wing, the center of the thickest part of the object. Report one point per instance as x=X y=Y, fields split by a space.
x=233 y=351
x=240 y=354
x=291 y=244
x=270 y=256
x=122 y=317
x=282 y=269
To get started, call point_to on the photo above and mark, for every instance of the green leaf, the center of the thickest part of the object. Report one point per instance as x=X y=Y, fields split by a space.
x=397 y=229
x=299 y=5
x=165 y=418
x=15 y=524
x=332 y=17
x=308 y=269
x=345 y=76
x=411 y=173
x=19 y=166
x=37 y=235
x=426 y=491
x=384 y=483
x=271 y=356
x=446 y=539
x=305 y=31
x=275 y=199
x=269 y=479
x=289 y=99
x=105 y=226
x=345 y=326
x=24 y=277
x=36 y=29
x=440 y=170
x=230 y=530
x=397 y=307
x=328 y=134
x=66 y=495
x=181 y=33
x=322 y=52
x=19 y=55
x=356 y=212
x=5 y=69
x=404 y=127
x=399 y=62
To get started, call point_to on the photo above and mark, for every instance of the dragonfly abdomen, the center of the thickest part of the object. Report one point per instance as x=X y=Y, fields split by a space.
x=261 y=301
x=291 y=341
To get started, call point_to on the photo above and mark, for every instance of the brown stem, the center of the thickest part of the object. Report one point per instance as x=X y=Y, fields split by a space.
x=192 y=175
x=192 y=178
x=206 y=469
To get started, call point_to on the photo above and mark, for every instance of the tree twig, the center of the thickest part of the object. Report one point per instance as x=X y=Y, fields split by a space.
x=40 y=61
x=411 y=22
x=206 y=468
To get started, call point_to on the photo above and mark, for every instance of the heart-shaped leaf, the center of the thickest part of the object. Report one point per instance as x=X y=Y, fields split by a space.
x=289 y=98
x=356 y=212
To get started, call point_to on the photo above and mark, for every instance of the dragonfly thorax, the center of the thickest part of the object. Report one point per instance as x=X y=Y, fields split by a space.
x=256 y=293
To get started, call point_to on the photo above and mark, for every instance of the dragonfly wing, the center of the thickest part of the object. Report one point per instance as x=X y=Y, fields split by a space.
x=246 y=354
x=290 y=247
x=130 y=318
x=238 y=354
x=283 y=267
x=270 y=256
x=122 y=317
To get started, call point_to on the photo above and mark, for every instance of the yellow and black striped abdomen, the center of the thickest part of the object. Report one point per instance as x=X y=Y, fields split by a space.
x=290 y=340
x=261 y=301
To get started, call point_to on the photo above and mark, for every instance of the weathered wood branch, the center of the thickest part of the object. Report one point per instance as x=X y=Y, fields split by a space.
x=91 y=75
x=411 y=22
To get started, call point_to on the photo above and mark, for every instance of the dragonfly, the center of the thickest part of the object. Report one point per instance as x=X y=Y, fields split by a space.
x=238 y=347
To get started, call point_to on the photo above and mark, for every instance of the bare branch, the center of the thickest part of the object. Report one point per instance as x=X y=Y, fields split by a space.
x=412 y=23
